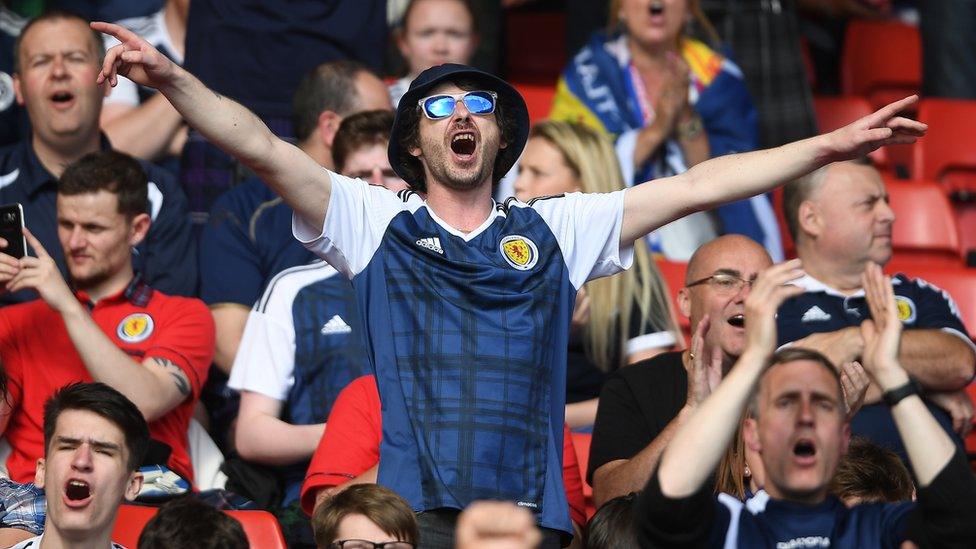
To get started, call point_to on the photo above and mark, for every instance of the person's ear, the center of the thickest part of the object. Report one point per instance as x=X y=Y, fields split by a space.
x=39 y=474
x=416 y=151
x=684 y=302
x=18 y=90
x=134 y=485
x=809 y=220
x=750 y=435
x=138 y=228
x=328 y=126
x=845 y=438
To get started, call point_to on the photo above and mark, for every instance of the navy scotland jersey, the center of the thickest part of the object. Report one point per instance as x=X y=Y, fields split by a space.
x=299 y=347
x=920 y=306
x=468 y=333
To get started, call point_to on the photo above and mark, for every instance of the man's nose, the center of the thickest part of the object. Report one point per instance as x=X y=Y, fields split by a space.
x=81 y=459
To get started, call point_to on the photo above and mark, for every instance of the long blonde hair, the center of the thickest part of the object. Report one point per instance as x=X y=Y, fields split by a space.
x=590 y=155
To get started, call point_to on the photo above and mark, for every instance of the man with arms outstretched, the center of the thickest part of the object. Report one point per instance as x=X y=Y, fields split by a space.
x=467 y=303
x=799 y=428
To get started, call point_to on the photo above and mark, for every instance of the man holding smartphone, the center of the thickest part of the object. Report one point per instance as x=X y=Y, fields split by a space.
x=106 y=324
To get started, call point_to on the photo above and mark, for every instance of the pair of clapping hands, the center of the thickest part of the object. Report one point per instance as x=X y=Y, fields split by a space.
x=881 y=333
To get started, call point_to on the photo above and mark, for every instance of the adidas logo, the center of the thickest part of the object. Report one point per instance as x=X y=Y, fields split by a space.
x=433 y=244
x=815 y=314
x=336 y=325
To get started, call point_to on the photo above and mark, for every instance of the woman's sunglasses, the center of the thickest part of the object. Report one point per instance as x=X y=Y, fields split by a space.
x=440 y=106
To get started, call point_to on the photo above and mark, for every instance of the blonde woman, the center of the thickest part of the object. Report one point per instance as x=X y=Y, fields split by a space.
x=618 y=320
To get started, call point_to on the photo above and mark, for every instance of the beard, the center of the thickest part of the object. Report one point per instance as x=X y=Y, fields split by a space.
x=441 y=168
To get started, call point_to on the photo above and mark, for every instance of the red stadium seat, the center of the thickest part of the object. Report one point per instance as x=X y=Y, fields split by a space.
x=674 y=274
x=261 y=527
x=581 y=442
x=925 y=228
x=538 y=99
x=881 y=61
x=535 y=49
x=946 y=155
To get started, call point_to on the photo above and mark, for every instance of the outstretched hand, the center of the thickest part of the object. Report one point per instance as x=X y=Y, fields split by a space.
x=880 y=128
x=882 y=332
x=133 y=58
x=771 y=288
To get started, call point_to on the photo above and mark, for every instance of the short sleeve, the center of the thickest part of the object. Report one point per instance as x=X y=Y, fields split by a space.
x=351 y=443
x=587 y=227
x=187 y=340
x=620 y=430
x=936 y=309
x=265 y=361
x=355 y=222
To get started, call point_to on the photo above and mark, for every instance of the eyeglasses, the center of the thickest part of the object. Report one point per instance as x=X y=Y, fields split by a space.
x=365 y=544
x=440 y=106
x=724 y=282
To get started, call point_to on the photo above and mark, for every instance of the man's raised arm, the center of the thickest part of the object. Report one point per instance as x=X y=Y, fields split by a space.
x=302 y=183
x=736 y=176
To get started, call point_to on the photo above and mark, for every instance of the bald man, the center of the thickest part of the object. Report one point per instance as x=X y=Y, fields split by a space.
x=642 y=406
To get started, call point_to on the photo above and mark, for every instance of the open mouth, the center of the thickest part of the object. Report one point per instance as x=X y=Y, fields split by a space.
x=62 y=99
x=737 y=321
x=463 y=143
x=77 y=490
x=804 y=448
x=657 y=7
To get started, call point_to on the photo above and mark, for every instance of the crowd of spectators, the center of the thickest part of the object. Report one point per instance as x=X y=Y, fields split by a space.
x=300 y=257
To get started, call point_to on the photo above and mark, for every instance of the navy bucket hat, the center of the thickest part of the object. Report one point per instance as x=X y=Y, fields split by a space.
x=511 y=106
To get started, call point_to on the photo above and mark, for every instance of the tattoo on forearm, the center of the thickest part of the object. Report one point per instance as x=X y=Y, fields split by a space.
x=179 y=378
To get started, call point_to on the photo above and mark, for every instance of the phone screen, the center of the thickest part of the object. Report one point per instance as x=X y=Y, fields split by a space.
x=12 y=230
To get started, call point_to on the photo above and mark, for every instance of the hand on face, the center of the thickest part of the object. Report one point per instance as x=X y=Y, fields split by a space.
x=882 y=332
x=134 y=58
x=706 y=371
x=41 y=274
x=771 y=289
x=875 y=130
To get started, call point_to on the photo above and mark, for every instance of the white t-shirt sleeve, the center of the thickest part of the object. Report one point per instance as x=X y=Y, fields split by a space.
x=265 y=361
x=587 y=227
x=355 y=222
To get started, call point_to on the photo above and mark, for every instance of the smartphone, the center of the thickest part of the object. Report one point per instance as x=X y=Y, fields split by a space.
x=12 y=230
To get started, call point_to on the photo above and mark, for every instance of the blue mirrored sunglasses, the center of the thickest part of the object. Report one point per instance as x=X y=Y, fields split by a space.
x=440 y=106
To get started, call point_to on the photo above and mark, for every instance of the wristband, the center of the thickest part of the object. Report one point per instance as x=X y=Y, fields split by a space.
x=892 y=397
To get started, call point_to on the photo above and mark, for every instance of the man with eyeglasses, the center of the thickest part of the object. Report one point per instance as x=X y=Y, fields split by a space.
x=467 y=303
x=642 y=405
x=840 y=220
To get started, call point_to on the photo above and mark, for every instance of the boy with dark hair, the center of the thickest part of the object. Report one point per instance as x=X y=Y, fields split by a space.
x=107 y=325
x=189 y=522
x=94 y=440
x=870 y=473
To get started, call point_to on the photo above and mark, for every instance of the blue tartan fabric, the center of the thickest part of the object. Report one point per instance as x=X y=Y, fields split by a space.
x=24 y=506
x=468 y=334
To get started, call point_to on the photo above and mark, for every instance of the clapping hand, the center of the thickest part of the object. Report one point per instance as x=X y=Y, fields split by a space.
x=771 y=288
x=705 y=372
x=882 y=332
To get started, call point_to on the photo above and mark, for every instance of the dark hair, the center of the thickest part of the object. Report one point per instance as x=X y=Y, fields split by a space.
x=792 y=354
x=413 y=170
x=361 y=130
x=391 y=513
x=612 y=526
x=328 y=87
x=189 y=522
x=871 y=473
x=104 y=401
x=58 y=15
x=111 y=171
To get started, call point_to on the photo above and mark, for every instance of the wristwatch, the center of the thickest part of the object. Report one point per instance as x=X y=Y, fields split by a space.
x=892 y=397
x=690 y=129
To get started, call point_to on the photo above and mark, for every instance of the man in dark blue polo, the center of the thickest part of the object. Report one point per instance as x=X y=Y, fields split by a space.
x=841 y=221
x=56 y=61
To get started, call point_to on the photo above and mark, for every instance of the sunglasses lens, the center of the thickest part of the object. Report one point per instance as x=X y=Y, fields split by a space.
x=479 y=102
x=439 y=106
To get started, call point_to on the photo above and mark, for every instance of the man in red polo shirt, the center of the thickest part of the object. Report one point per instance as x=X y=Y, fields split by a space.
x=106 y=326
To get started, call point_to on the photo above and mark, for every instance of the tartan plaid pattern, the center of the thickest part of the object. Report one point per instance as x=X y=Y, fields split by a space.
x=24 y=506
x=206 y=172
x=480 y=348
